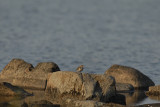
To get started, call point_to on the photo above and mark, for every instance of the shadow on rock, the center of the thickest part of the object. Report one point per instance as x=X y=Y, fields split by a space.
x=7 y=89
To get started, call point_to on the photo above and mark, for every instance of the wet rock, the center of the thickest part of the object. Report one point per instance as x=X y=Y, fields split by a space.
x=23 y=74
x=78 y=103
x=43 y=103
x=149 y=105
x=124 y=74
x=23 y=103
x=7 y=89
x=123 y=87
x=153 y=91
x=88 y=103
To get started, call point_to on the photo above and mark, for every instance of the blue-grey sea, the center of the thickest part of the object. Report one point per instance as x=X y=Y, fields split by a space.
x=95 y=33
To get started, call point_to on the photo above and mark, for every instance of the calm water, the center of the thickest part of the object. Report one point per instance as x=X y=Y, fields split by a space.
x=90 y=32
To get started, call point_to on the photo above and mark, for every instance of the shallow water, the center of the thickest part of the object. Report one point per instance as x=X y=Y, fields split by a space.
x=90 y=32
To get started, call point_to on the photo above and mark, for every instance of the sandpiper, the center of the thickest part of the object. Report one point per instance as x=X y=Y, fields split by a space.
x=80 y=68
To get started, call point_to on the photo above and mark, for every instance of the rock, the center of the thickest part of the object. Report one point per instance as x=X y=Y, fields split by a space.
x=23 y=74
x=153 y=91
x=42 y=103
x=16 y=67
x=88 y=103
x=23 y=103
x=149 y=105
x=78 y=103
x=124 y=74
x=88 y=86
x=124 y=87
x=46 y=67
x=106 y=86
x=71 y=84
x=154 y=88
x=7 y=89
x=80 y=86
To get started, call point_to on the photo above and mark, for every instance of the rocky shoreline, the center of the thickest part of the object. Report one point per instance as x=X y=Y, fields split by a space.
x=45 y=84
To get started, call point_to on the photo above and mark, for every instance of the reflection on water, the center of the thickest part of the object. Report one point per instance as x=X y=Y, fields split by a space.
x=139 y=98
x=155 y=98
x=39 y=98
x=134 y=98
x=7 y=101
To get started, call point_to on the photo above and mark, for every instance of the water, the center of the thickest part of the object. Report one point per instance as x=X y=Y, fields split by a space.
x=90 y=32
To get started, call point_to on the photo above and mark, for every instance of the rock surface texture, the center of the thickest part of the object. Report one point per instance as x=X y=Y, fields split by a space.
x=23 y=74
x=80 y=86
x=124 y=74
x=106 y=86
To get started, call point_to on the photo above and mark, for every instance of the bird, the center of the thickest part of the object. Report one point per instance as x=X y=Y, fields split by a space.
x=80 y=68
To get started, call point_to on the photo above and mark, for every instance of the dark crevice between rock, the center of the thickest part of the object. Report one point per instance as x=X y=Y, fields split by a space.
x=45 y=85
x=98 y=90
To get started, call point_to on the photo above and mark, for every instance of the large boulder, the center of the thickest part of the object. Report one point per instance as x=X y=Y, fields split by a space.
x=124 y=74
x=23 y=74
x=71 y=84
x=7 y=89
x=81 y=86
x=16 y=67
